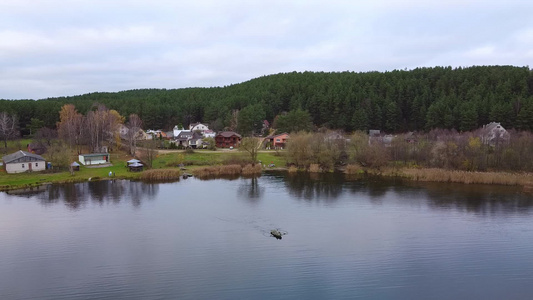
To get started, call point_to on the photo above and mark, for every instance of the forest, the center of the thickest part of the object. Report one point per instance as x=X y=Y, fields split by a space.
x=421 y=99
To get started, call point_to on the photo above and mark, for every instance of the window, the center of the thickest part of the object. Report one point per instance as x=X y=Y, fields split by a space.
x=23 y=166
x=36 y=164
x=277 y=140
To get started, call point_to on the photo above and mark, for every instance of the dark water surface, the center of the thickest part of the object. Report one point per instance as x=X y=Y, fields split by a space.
x=210 y=240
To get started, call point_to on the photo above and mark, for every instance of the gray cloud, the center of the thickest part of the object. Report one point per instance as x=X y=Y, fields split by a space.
x=55 y=48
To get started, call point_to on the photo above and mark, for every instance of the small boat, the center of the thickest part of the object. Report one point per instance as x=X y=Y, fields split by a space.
x=275 y=233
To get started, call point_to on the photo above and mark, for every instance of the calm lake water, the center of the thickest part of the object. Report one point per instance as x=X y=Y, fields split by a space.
x=197 y=239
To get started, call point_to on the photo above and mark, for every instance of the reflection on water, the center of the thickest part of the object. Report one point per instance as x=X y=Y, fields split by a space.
x=75 y=196
x=196 y=239
x=486 y=199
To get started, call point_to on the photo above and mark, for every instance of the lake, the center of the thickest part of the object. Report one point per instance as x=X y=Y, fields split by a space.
x=196 y=239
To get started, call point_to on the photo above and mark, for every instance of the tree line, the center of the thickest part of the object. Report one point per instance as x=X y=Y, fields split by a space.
x=439 y=148
x=398 y=101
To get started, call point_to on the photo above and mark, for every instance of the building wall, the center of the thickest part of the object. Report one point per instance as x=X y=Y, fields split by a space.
x=93 y=160
x=17 y=167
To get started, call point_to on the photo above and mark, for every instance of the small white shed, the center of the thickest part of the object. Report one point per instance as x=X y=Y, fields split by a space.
x=94 y=159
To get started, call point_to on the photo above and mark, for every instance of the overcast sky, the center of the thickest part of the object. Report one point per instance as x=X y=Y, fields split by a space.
x=52 y=48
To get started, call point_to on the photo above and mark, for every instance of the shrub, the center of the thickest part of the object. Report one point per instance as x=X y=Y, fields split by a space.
x=315 y=168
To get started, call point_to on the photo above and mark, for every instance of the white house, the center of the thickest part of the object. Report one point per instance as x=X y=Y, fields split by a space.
x=177 y=130
x=22 y=161
x=198 y=126
x=494 y=133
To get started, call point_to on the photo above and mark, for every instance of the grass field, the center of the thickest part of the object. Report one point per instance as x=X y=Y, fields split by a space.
x=201 y=158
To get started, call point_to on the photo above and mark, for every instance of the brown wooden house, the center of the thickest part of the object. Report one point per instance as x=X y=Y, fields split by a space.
x=227 y=139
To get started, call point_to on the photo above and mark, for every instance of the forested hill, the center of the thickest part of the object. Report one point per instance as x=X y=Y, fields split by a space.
x=396 y=101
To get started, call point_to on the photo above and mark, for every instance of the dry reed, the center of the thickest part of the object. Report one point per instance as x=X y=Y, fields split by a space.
x=160 y=174
x=250 y=169
x=315 y=168
x=215 y=171
x=292 y=169
x=442 y=175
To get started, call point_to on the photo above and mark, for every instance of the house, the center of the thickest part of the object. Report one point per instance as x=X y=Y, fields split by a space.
x=227 y=139
x=139 y=135
x=22 y=161
x=183 y=138
x=493 y=134
x=196 y=140
x=94 y=159
x=277 y=141
x=375 y=136
x=209 y=133
x=177 y=130
x=198 y=127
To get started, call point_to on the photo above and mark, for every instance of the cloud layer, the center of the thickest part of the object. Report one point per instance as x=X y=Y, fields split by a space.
x=57 y=48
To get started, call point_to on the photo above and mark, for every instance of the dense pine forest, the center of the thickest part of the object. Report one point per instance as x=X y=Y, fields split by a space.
x=396 y=101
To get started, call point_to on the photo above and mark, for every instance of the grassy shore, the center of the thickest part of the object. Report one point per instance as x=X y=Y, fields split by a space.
x=166 y=167
x=26 y=180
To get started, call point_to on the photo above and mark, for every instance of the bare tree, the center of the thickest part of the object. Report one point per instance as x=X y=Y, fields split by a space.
x=8 y=128
x=149 y=152
x=46 y=135
x=134 y=125
x=103 y=127
x=250 y=145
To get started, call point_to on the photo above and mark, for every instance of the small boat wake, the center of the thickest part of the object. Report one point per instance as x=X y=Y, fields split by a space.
x=276 y=232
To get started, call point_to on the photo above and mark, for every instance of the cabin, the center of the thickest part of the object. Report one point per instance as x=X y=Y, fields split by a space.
x=22 y=161
x=94 y=159
x=227 y=139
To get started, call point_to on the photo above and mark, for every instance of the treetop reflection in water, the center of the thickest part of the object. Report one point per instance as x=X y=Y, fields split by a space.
x=328 y=187
x=76 y=195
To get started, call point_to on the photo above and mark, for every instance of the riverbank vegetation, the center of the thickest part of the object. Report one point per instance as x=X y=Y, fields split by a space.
x=439 y=155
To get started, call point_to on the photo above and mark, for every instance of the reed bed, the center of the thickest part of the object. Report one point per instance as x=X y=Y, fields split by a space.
x=292 y=169
x=250 y=169
x=215 y=171
x=160 y=174
x=442 y=175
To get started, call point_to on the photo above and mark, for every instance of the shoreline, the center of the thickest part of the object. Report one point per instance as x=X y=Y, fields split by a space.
x=524 y=180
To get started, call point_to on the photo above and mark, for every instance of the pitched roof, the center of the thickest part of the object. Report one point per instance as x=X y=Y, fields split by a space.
x=14 y=156
x=228 y=134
